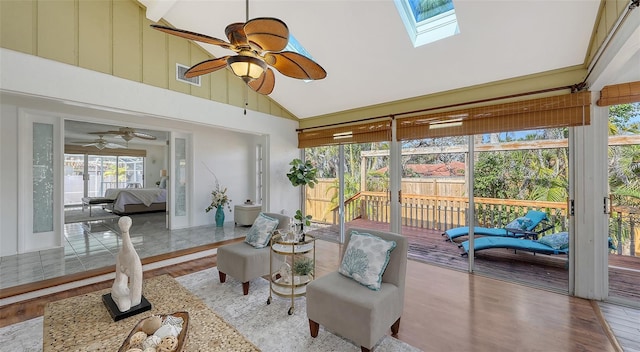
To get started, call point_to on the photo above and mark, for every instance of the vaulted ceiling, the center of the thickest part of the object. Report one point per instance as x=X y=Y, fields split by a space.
x=369 y=58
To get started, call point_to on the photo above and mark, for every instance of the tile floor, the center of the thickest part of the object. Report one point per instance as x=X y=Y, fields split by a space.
x=92 y=245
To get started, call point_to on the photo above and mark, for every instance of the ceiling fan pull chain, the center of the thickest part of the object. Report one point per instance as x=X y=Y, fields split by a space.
x=246 y=97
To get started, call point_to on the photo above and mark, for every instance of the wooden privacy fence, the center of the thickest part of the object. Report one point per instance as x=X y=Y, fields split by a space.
x=320 y=207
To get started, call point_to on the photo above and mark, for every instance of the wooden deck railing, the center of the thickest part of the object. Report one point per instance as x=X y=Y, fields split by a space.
x=624 y=230
x=442 y=212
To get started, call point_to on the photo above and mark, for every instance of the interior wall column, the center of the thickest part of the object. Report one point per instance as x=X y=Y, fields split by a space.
x=589 y=144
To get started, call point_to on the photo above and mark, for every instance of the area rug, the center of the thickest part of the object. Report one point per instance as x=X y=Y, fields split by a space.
x=82 y=323
x=269 y=326
x=77 y=215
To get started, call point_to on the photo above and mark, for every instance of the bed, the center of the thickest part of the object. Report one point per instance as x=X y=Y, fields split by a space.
x=137 y=200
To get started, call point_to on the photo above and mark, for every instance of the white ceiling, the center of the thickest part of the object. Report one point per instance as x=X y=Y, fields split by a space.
x=369 y=59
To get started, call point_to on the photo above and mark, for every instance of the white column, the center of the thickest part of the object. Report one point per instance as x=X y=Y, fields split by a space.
x=590 y=231
x=395 y=179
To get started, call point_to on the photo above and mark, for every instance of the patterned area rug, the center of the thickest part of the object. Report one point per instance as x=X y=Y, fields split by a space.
x=269 y=326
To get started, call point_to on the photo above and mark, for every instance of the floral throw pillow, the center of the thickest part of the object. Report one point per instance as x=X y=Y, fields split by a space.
x=366 y=258
x=260 y=232
x=521 y=223
x=558 y=240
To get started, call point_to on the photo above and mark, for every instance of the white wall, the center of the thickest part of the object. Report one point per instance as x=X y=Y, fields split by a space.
x=223 y=137
x=8 y=180
x=154 y=163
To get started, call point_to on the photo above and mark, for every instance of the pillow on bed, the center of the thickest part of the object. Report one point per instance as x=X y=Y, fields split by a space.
x=366 y=258
x=521 y=223
x=558 y=240
x=163 y=182
x=260 y=232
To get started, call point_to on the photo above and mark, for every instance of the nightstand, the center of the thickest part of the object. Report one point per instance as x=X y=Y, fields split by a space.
x=246 y=214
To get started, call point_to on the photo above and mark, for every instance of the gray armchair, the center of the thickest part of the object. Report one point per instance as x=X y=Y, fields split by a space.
x=351 y=310
x=244 y=262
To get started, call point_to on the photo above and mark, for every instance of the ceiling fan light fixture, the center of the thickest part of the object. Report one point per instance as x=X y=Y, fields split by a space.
x=246 y=67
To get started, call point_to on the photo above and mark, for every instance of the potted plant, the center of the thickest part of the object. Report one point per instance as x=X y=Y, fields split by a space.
x=303 y=266
x=302 y=173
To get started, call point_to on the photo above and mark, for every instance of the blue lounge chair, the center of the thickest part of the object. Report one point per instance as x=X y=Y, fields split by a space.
x=535 y=218
x=522 y=244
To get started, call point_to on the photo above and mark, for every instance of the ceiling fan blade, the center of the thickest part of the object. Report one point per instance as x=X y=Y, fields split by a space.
x=207 y=66
x=267 y=34
x=235 y=34
x=106 y=132
x=144 y=135
x=193 y=36
x=114 y=145
x=295 y=65
x=264 y=85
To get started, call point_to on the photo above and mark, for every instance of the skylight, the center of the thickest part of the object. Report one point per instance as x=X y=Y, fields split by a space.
x=428 y=21
x=295 y=46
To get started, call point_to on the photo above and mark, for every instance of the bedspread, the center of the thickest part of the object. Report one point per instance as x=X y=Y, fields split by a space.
x=146 y=196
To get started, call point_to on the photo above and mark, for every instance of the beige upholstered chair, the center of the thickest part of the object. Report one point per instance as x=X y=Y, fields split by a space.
x=351 y=310
x=244 y=262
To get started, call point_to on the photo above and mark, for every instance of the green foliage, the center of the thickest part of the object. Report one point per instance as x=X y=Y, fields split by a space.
x=306 y=220
x=303 y=266
x=302 y=173
x=620 y=118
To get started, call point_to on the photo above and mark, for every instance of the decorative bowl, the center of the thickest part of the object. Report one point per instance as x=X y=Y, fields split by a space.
x=182 y=337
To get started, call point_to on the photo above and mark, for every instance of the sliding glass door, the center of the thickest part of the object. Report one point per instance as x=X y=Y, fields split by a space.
x=624 y=190
x=518 y=175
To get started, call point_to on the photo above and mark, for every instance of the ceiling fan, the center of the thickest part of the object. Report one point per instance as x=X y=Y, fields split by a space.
x=100 y=143
x=258 y=43
x=127 y=133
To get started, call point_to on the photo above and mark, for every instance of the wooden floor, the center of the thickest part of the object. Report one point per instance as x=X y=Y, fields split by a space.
x=445 y=310
x=547 y=271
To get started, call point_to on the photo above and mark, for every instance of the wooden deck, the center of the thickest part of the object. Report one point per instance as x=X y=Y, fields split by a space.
x=546 y=271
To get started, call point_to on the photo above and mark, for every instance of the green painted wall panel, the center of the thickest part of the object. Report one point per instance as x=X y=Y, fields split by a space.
x=114 y=37
x=17 y=25
x=94 y=35
x=264 y=104
x=127 y=40
x=236 y=91
x=252 y=98
x=197 y=56
x=57 y=28
x=178 y=54
x=219 y=86
x=154 y=56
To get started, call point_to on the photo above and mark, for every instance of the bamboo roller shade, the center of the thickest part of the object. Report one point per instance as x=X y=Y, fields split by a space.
x=78 y=149
x=557 y=111
x=362 y=133
x=624 y=93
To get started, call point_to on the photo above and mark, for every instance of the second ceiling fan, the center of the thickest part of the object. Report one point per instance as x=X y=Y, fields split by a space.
x=127 y=133
x=259 y=44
